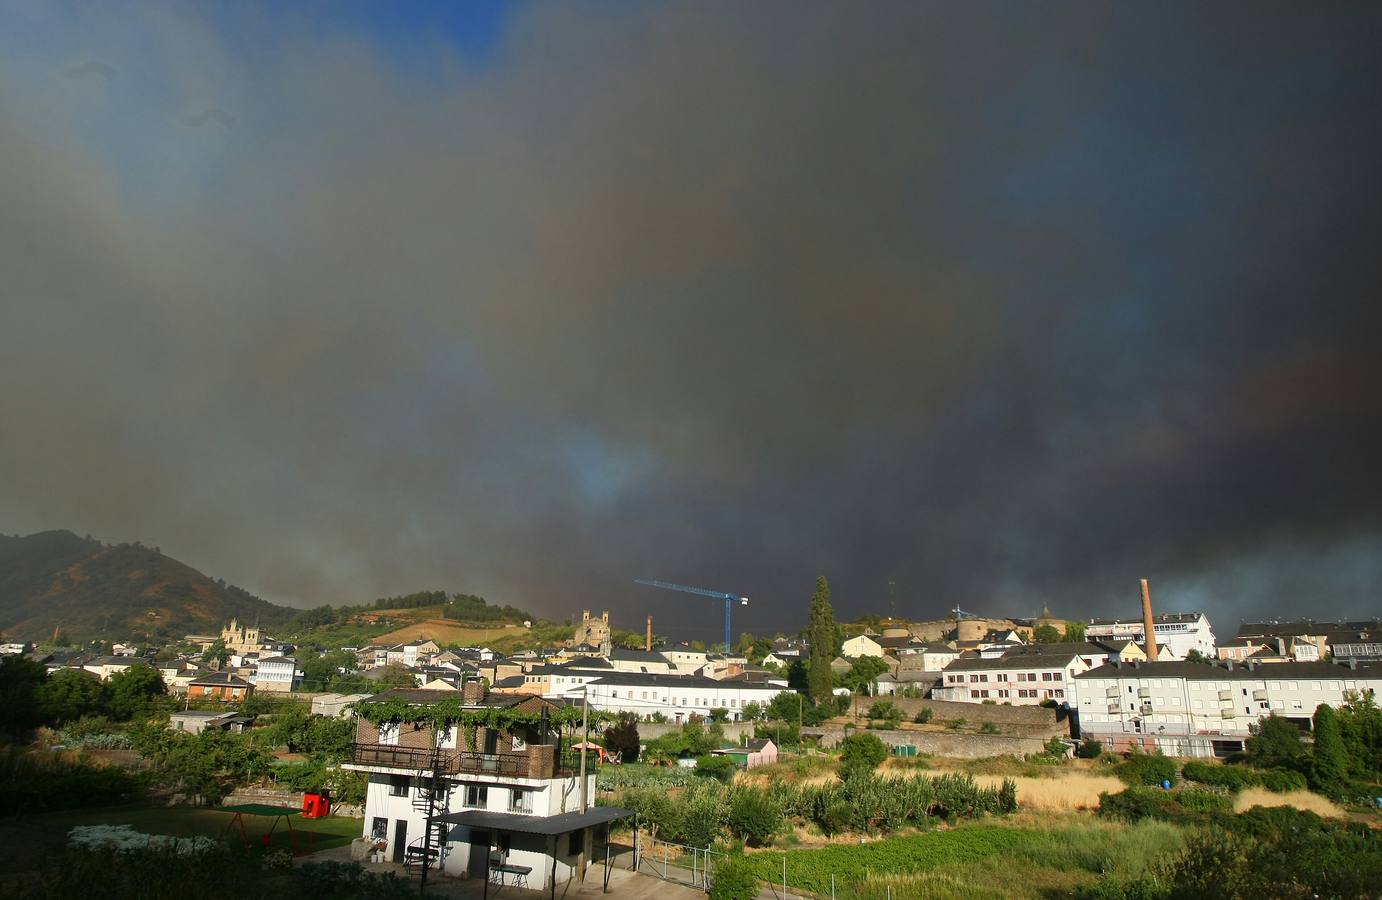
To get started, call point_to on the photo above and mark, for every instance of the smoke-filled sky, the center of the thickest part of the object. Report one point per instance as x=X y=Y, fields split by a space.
x=1006 y=304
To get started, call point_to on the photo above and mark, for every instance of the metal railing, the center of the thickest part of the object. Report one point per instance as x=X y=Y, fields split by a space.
x=449 y=762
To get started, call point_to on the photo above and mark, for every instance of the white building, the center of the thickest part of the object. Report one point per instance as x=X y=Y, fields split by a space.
x=1023 y=679
x=678 y=697
x=647 y=661
x=1181 y=632
x=1193 y=709
x=277 y=673
x=685 y=659
x=507 y=809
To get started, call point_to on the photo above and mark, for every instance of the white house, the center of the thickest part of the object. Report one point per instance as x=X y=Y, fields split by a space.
x=1022 y=679
x=1193 y=709
x=105 y=666
x=861 y=645
x=277 y=673
x=501 y=805
x=1181 y=632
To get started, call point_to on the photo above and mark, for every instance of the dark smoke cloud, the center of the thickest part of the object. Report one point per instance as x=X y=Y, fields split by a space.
x=1008 y=306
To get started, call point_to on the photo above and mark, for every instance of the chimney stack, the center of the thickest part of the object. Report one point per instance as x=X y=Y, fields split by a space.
x=648 y=641
x=1149 y=640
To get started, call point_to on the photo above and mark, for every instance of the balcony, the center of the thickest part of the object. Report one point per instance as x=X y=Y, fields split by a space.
x=538 y=761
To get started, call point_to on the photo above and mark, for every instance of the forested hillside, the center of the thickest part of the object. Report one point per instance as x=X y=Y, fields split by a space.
x=55 y=580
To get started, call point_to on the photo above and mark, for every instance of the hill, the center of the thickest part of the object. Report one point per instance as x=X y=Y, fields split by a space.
x=55 y=579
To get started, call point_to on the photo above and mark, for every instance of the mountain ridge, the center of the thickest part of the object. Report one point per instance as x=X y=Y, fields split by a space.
x=55 y=580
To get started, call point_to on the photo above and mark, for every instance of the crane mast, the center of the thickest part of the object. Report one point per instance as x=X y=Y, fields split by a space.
x=729 y=599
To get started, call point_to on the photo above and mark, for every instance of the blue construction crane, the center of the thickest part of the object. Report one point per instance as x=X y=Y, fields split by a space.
x=704 y=592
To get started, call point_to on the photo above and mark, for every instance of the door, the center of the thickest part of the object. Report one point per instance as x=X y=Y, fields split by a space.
x=479 y=849
x=400 y=839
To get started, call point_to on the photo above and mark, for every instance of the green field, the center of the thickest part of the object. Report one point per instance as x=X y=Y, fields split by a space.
x=28 y=839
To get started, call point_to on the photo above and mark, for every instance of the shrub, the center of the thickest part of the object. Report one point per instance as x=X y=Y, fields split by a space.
x=733 y=879
x=1089 y=749
x=923 y=715
x=988 y=728
x=755 y=816
x=1184 y=806
x=862 y=752
x=1147 y=768
x=1235 y=778
x=721 y=768
x=621 y=738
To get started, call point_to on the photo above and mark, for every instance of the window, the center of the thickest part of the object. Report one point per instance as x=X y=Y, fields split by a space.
x=521 y=801
x=398 y=785
x=379 y=828
x=388 y=733
x=519 y=743
x=476 y=795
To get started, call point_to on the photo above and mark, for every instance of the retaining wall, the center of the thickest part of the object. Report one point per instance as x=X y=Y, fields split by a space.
x=958 y=744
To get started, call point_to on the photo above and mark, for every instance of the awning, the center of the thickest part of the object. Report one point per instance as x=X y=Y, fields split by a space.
x=545 y=825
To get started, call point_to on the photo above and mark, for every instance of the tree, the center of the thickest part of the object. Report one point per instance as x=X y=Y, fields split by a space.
x=885 y=714
x=1074 y=632
x=1196 y=656
x=396 y=675
x=1360 y=722
x=1329 y=760
x=824 y=637
x=621 y=738
x=217 y=655
x=69 y=694
x=861 y=752
x=1046 y=634
x=20 y=682
x=751 y=712
x=133 y=690
x=861 y=674
x=1275 y=741
x=784 y=706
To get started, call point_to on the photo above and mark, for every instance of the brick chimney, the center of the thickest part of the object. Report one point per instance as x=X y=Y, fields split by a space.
x=648 y=641
x=1147 y=623
x=473 y=692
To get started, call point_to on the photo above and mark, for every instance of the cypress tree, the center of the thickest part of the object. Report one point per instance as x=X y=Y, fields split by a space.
x=824 y=636
x=1329 y=761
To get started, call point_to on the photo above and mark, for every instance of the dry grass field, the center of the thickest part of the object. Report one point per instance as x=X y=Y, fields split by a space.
x=445 y=631
x=1251 y=797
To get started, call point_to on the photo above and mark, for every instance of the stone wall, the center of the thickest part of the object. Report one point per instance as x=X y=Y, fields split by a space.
x=734 y=731
x=958 y=744
x=1020 y=720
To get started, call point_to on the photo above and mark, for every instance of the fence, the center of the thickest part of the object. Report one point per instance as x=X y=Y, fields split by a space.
x=674 y=862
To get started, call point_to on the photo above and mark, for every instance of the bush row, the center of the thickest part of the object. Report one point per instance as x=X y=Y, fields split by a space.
x=705 y=811
x=1235 y=778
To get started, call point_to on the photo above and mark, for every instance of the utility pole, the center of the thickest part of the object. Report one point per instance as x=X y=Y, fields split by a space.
x=585 y=737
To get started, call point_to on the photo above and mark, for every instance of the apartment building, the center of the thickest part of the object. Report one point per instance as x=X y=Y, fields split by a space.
x=1196 y=709
x=678 y=697
x=1180 y=632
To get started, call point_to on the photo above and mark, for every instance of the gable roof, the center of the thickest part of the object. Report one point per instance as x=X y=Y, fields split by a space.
x=220 y=679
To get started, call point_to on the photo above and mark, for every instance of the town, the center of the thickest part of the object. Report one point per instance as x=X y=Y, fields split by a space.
x=471 y=765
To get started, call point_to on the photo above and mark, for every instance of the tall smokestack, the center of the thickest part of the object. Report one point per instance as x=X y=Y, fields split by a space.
x=648 y=641
x=1147 y=622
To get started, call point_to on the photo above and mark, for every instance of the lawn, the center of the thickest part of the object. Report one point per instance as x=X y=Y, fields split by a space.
x=28 y=839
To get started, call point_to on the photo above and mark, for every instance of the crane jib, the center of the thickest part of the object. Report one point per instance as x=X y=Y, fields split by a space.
x=704 y=592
